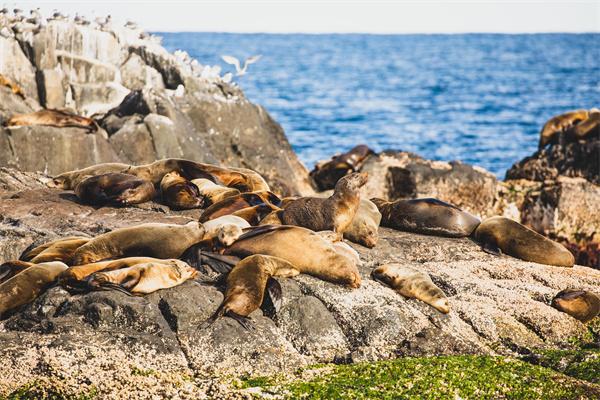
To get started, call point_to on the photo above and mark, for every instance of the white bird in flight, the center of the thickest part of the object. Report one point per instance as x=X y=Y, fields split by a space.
x=236 y=62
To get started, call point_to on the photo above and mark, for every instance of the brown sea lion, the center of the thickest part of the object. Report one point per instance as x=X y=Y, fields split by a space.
x=150 y=240
x=29 y=255
x=226 y=228
x=326 y=174
x=143 y=278
x=60 y=251
x=69 y=180
x=426 y=216
x=212 y=192
x=235 y=203
x=519 y=241
x=72 y=279
x=255 y=214
x=114 y=188
x=363 y=229
x=58 y=118
x=588 y=128
x=28 y=284
x=244 y=180
x=558 y=124
x=305 y=249
x=334 y=213
x=246 y=285
x=582 y=305
x=12 y=268
x=412 y=283
x=179 y=193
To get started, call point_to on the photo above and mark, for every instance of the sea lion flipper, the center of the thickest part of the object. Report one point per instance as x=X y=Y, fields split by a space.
x=244 y=321
x=209 y=322
x=274 y=290
x=219 y=263
x=116 y=288
x=490 y=249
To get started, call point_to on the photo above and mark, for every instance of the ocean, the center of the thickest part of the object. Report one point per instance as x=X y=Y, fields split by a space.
x=477 y=98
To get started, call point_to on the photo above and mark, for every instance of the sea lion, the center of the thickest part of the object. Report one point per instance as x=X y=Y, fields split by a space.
x=579 y=304
x=559 y=124
x=69 y=180
x=114 y=188
x=305 y=249
x=212 y=192
x=519 y=241
x=588 y=128
x=51 y=117
x=235 y=203
x=14 y=87
x=63 y=250
x=327 y=173
x=345 y=249
x=274 y=218
x=254 y=215
x=12 y=268
x=287 y=200
x=334 y=213
x=143 y=278
x=31 y=254
x=246 y=285
x=363 y=229
x=226 y=228
x=412 y=283
x=29 y=284
x=244 y=180
x=426 y=216
x=150 y=240
x=72 y=279
x=179 y=193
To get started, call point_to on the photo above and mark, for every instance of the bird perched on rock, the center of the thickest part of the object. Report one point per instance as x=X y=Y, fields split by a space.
x=236 y=62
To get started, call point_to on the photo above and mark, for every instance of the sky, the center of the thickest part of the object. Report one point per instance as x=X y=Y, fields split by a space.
x=385 y=17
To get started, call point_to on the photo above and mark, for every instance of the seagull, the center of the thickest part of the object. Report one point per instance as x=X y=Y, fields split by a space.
x=236 y=62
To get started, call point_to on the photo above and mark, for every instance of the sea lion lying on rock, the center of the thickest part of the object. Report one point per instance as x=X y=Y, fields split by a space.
x=179 y=193
x=212 y=192
x=426 y=216
x=334 y=213
x=412 y=283
x=57 y=118
x=235 y=203
x=69 y=180
x=27 y=285
x=363 y=229
x=226 y=228
x=12 y=268
x=114 y=188
x=512 y=238
x=246 y=285
x=143 y=278
x=150 y=240
x=327 y=173
x=559 y=124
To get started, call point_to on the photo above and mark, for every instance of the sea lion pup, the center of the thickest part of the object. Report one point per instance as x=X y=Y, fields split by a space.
x=363 y=229
x=254 y=215
x=69 y=180
x=426 y=216
x=114 y=188
x=305 y=249
x=29 y=284
x=143 y=278
x=579 y=304
x=179 y=193
x=150 y=240
x=246 y=285
x=235 y=203
x=334 y=213
x=72 y=279
x=514 y=239
x=559 y=124
x=412 y=283
x=212 y=192
x=51 y=117
x=245 y=180
x=327 y=173
x=226 y=228
x=12 y=268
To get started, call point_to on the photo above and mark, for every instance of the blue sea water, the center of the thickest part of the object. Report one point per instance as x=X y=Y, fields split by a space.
x=477 y=98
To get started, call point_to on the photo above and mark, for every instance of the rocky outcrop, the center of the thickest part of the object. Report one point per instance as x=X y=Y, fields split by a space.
x=128 y=84
x=123 y=346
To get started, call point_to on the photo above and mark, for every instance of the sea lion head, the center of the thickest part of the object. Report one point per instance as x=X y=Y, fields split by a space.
x=367 y=234
x=346 y=273
x=60 y=182
x=355 y=180
x=229 y=233
x=580 y=304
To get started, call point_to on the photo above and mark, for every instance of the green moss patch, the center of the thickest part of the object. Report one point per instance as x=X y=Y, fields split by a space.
x=479 y=377
x=580 y=364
